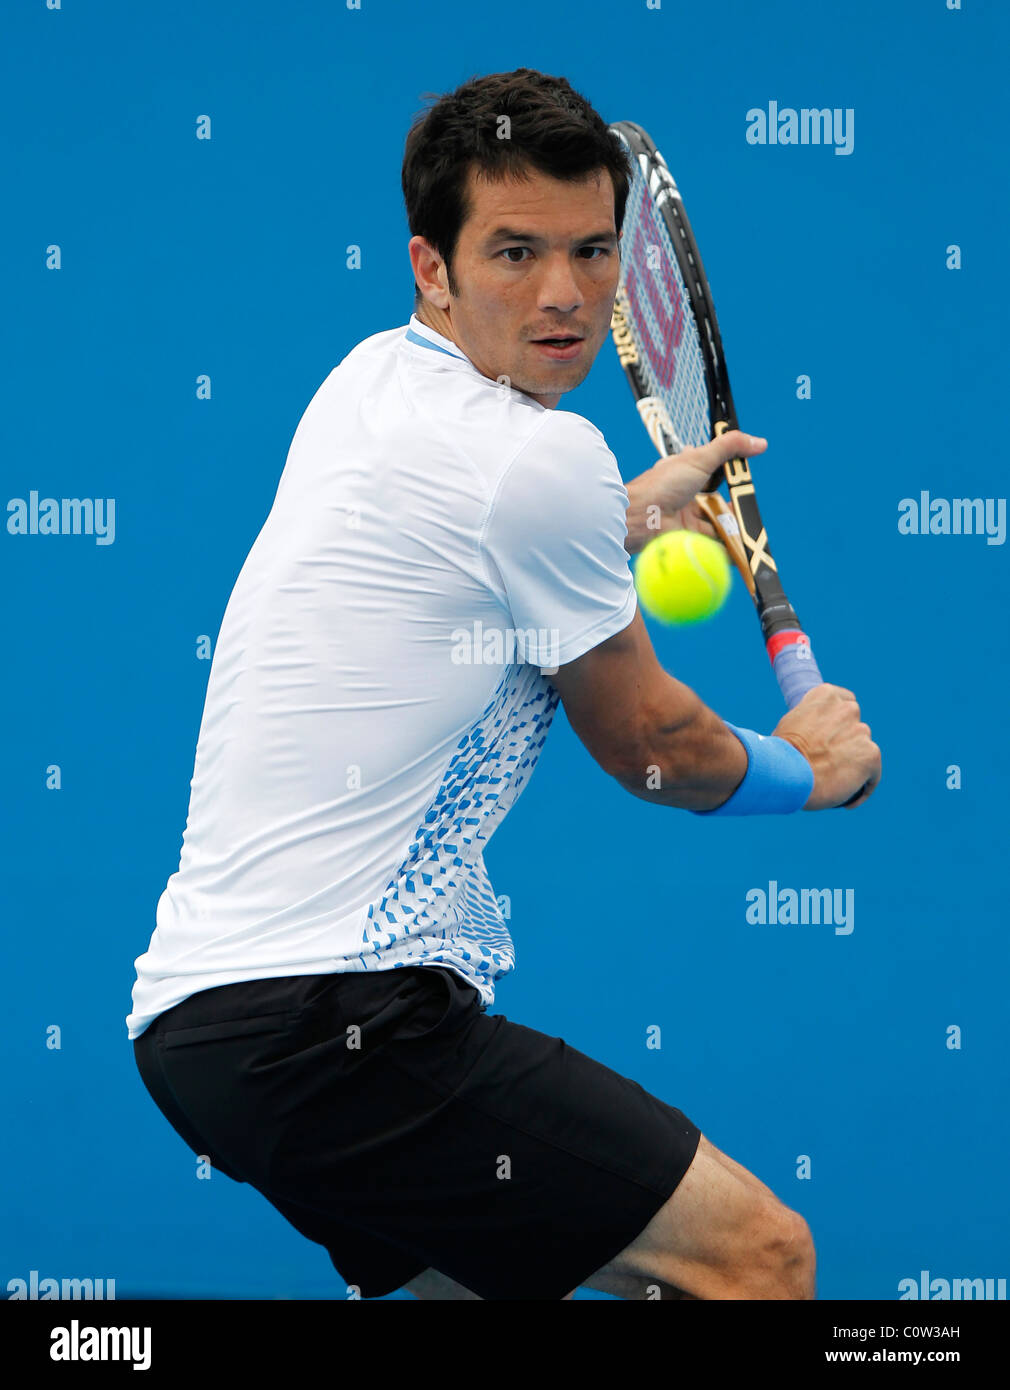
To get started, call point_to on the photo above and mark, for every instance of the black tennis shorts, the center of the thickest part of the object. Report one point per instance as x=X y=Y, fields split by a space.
x=392 y=1120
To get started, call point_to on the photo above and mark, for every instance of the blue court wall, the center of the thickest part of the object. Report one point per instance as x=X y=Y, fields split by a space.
x=860 y=1073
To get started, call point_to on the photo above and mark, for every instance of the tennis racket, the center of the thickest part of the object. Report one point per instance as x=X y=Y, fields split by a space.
x=667 y=339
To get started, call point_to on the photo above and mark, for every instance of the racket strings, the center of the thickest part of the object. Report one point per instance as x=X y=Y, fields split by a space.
x=661 y=320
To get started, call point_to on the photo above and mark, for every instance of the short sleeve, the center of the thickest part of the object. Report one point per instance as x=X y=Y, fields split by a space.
x=553 y=543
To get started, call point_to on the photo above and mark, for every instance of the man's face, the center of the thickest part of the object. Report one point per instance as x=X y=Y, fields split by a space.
x=536 y=260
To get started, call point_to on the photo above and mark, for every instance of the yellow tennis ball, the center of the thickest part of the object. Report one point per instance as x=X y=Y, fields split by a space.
x=682 y=577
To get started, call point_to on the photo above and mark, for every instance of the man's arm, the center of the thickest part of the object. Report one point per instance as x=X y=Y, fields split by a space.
x=663 y=744
x=633 y=718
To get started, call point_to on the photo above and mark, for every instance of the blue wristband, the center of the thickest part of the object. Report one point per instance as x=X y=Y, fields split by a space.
x=777 y=782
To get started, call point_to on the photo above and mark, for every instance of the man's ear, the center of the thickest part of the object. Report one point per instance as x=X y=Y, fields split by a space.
x=430 y=274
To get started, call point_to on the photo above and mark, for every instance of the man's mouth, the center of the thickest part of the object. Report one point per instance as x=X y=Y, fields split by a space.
x=561 y=348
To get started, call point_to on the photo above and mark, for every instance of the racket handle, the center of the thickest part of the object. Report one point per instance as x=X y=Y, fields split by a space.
x=794 y=665
x=796 y=672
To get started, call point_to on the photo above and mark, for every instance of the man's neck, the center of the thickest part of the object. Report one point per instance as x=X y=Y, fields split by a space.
x=437 y=319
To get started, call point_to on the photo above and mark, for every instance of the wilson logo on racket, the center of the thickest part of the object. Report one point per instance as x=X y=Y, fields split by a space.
x=649 y=301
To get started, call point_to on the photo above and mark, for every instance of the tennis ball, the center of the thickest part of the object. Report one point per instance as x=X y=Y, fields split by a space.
x=682 y=577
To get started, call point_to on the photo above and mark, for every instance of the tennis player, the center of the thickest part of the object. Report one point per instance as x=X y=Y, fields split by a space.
x=446 y=559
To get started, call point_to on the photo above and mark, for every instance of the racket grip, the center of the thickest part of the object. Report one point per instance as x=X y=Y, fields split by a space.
x=796 y=672
x=794 y=665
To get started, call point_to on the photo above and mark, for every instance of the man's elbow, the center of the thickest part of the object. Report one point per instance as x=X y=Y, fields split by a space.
x=667 y=760
x=640 y=768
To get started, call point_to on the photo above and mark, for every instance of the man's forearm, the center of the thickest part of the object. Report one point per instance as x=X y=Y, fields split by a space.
x=694 y=763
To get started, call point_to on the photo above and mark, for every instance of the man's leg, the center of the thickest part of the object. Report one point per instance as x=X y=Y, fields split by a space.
x=433 y=1285
x=722 y=1235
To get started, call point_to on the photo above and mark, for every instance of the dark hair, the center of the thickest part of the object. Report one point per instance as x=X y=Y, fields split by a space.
x=552 y=129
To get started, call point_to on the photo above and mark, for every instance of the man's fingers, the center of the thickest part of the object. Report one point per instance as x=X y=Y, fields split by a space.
x=828 y=691
x=693 y=519
x=851 y=805
x=734 y=444
x=869 y=787
x=706 y=458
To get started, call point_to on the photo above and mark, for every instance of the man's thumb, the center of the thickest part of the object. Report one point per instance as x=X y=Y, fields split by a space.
x=733 y=444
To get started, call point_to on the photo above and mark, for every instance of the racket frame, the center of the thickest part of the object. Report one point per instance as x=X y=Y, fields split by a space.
x=760 y=572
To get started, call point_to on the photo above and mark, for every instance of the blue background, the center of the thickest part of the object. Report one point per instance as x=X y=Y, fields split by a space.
x=227 y=257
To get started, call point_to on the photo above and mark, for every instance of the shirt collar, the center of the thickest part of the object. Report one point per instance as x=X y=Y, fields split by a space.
x=422 y=336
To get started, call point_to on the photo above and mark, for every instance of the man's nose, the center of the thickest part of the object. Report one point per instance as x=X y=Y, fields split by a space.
x=559 y=289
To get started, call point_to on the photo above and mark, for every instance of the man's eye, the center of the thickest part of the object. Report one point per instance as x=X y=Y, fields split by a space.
x=594 y=251
x=515 y=254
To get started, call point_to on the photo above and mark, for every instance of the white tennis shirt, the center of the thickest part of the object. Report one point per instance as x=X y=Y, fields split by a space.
x=376 y=700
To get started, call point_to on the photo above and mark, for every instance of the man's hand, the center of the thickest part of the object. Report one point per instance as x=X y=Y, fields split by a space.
x=662 y=499
x=826 y=728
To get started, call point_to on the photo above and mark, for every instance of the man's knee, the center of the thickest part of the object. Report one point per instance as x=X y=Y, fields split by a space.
x=723 y=1235
x=771 y=1248
x=805 y=1264
x=776 y=1258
